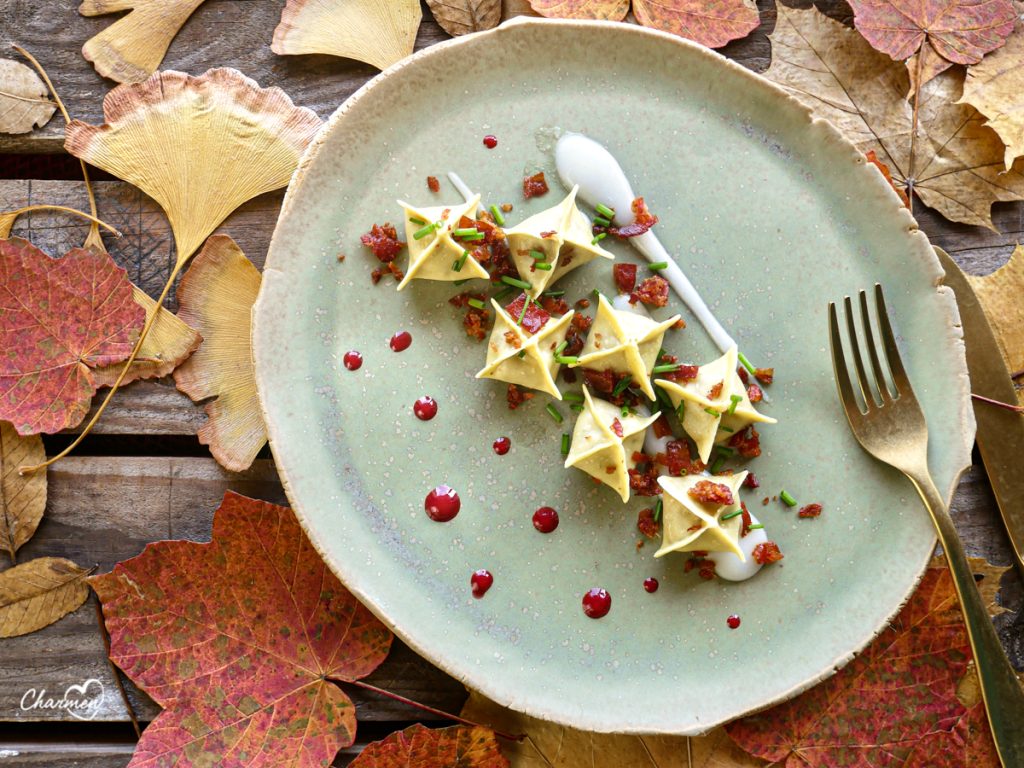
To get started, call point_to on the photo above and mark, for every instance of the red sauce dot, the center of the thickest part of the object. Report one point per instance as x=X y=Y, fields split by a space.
x=400 y=341
x=425 y=408
x=353 y=360
x=481 y=581
x=442 y=504
x=651 y=584
x=502 y=445
x=490 y=141
x=597 y=602
x=733 y=621
x=545 y=519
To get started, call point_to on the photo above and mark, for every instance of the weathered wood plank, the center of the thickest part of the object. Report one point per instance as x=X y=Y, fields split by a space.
x=104 y=510
x=38 y=754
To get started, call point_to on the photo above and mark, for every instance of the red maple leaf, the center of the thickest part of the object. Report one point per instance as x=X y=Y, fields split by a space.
x=894 y=705
x=420 y=747
x=237 y=640
x=59 y=318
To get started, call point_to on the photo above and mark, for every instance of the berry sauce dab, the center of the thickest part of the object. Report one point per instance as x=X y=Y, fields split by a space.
x=733 y=621
x=651 y=584
x=545 y=519
x=352 y=360
x=442 y=504
x=400 y=341
x=502 y=445
x=490 y=141
x=597 y=602
x=480 y=582
x=425 y=408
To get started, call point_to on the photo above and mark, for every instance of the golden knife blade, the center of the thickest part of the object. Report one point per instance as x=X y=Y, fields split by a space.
x=1000 y=431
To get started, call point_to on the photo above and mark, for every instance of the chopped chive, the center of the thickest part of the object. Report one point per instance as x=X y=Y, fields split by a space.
x=744 y=362
x=476 y=303
x=725 y=450
x=465 y=231
x=459 y=282
x=736 y=399
x=573 y=397
x=731 y=515
x=515 y=282
x=622 y=385
x=537 y=255
x=712 y=412
x=681 y=410
x=605 y=211
x=499 y=217
x=658 y=505
x=473 y=238
x=666 y=368
x=421 y=233
x=565 y=444
x=788 y=500
x=755 y=526
x=554 y=294
x=522 y=353
x=576 y=407
x=658 y=265
x=502 y=293
x=544 y=265
x=523 y=313
x=726 y=429
x=625 y=411
x=571 y=360
x=459 y=262
x=417 y=220
x=601 y=221
x=598 y=238
x=561 y=347
x=717 y=466
x=553 y=413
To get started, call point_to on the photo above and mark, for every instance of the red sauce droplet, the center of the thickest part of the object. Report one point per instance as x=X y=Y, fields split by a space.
x=597 y=602
x=481 y=581
x=733 y=621
x=651 y=584
x=490 y=141
x=425 y=408
x=545 y=519
x=442 y=504
x=400 y=341
x=353 y=360
x=502 y=445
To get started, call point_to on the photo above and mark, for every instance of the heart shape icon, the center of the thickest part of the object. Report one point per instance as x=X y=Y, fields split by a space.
x=82 y=704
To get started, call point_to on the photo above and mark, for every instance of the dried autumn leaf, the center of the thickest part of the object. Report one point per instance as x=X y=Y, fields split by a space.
x=894 y=704
x=22 y=497
x=957 y=166
x=419 y=747
x=710 y=22
x=35 y=594
x=378 y=32
x=24 y=99
x=199 y=146
x=549 y=744
x=609 y=10
x=995 y=87
x=216 y=296
x=169 y=343
x=238 y=640
x=460 y=17
x=1000 y=295
x=131 y=48
x=59 y=319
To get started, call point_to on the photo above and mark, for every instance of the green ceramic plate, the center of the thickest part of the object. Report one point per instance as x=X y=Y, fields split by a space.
x=770 y=212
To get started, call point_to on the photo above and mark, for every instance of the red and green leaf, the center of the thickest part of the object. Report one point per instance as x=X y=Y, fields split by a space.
x=611 y=10
x=420 y=747
x=710 y=22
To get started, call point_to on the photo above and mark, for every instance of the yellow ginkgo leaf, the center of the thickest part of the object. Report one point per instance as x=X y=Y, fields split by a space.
x=199 y=146
x=216 y=296
x=22 y=497
x=131 y=48
x=379 y=32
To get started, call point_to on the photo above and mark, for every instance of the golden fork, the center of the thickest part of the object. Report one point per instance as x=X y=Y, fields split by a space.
x=889 y=424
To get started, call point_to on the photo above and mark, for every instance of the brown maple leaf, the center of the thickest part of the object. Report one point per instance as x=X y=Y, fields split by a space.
x=59 y=319
x=460 y=17
x=238 y=640
x=418 y=747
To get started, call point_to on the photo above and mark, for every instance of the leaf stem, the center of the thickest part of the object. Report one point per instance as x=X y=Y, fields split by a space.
x=115 y=671
x=15 y=96
x=998 y=403
x=913 y=129
x=1017 y=375
x=426 y=708
x=74 y=211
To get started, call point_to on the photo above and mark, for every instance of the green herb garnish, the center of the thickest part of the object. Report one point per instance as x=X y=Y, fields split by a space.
x=417 y=220
x=717 y=466
x=476 y=303
x=622 y=385
x=421 y=233
x=736 y=400
x=744 y=362
x=657 y=509
x=731 y=515
x=565 y=444
x=538 y=255
x=465 y=232
x=659 y=265
x=666 y=368
x=601 y=221
x=573 y=397
x=712 y=412
x=499 y=217
x=788 y=500
x=544 y=265
x=553 y=413
x=515 y=282
x=598 y=238
x=605 y=211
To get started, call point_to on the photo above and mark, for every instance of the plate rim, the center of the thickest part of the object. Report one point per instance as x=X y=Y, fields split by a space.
x=821 y=129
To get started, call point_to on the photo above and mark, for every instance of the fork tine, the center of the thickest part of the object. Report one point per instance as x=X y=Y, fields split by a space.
x=858 y=361
x=843 y=381
x=869 y=342
x=900 y=381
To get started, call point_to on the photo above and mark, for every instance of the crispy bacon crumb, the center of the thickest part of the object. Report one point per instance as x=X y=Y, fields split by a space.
x=617 y=427
x=679 y=324
x=610 y=469
x=698 y=561
x=512 y=339
x=582 y=303
x=643 y=221
x=755 y=394
x=387 y=269
x=433 y=184
x=677 y=459
x=746 y=520
x=661 y=427
x=516 y=397
x=764 y=501
x=811 y=510
x=475 y=320
x=341 y=257
x=643 y=479
x=534 y=318
x=625 y=277
x=707 y=492
x=506 y=207
x=383 y=241
x=554 y=305
x=646 y=523
x=653 y=292
x=742 y=373
x=747 y=443
x=767 y=552
x=716 y=391
x=750 y=481
x=535 y=186
x=765 y=375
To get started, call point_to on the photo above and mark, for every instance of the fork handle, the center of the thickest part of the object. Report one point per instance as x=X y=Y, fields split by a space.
x=1002 y=693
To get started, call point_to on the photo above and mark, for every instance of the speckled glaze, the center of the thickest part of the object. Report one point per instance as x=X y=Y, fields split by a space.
x=771 y=213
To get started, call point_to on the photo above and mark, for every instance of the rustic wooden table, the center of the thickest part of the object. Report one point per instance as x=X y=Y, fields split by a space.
x=143 y=476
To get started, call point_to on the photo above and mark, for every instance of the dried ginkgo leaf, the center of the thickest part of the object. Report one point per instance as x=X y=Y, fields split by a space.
x=460 y=17
x=131 y=48
x=999 y=293
x=216 y=296
x=379 y=32
x=22 y=497
x=199 y=146
x=24 y=100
